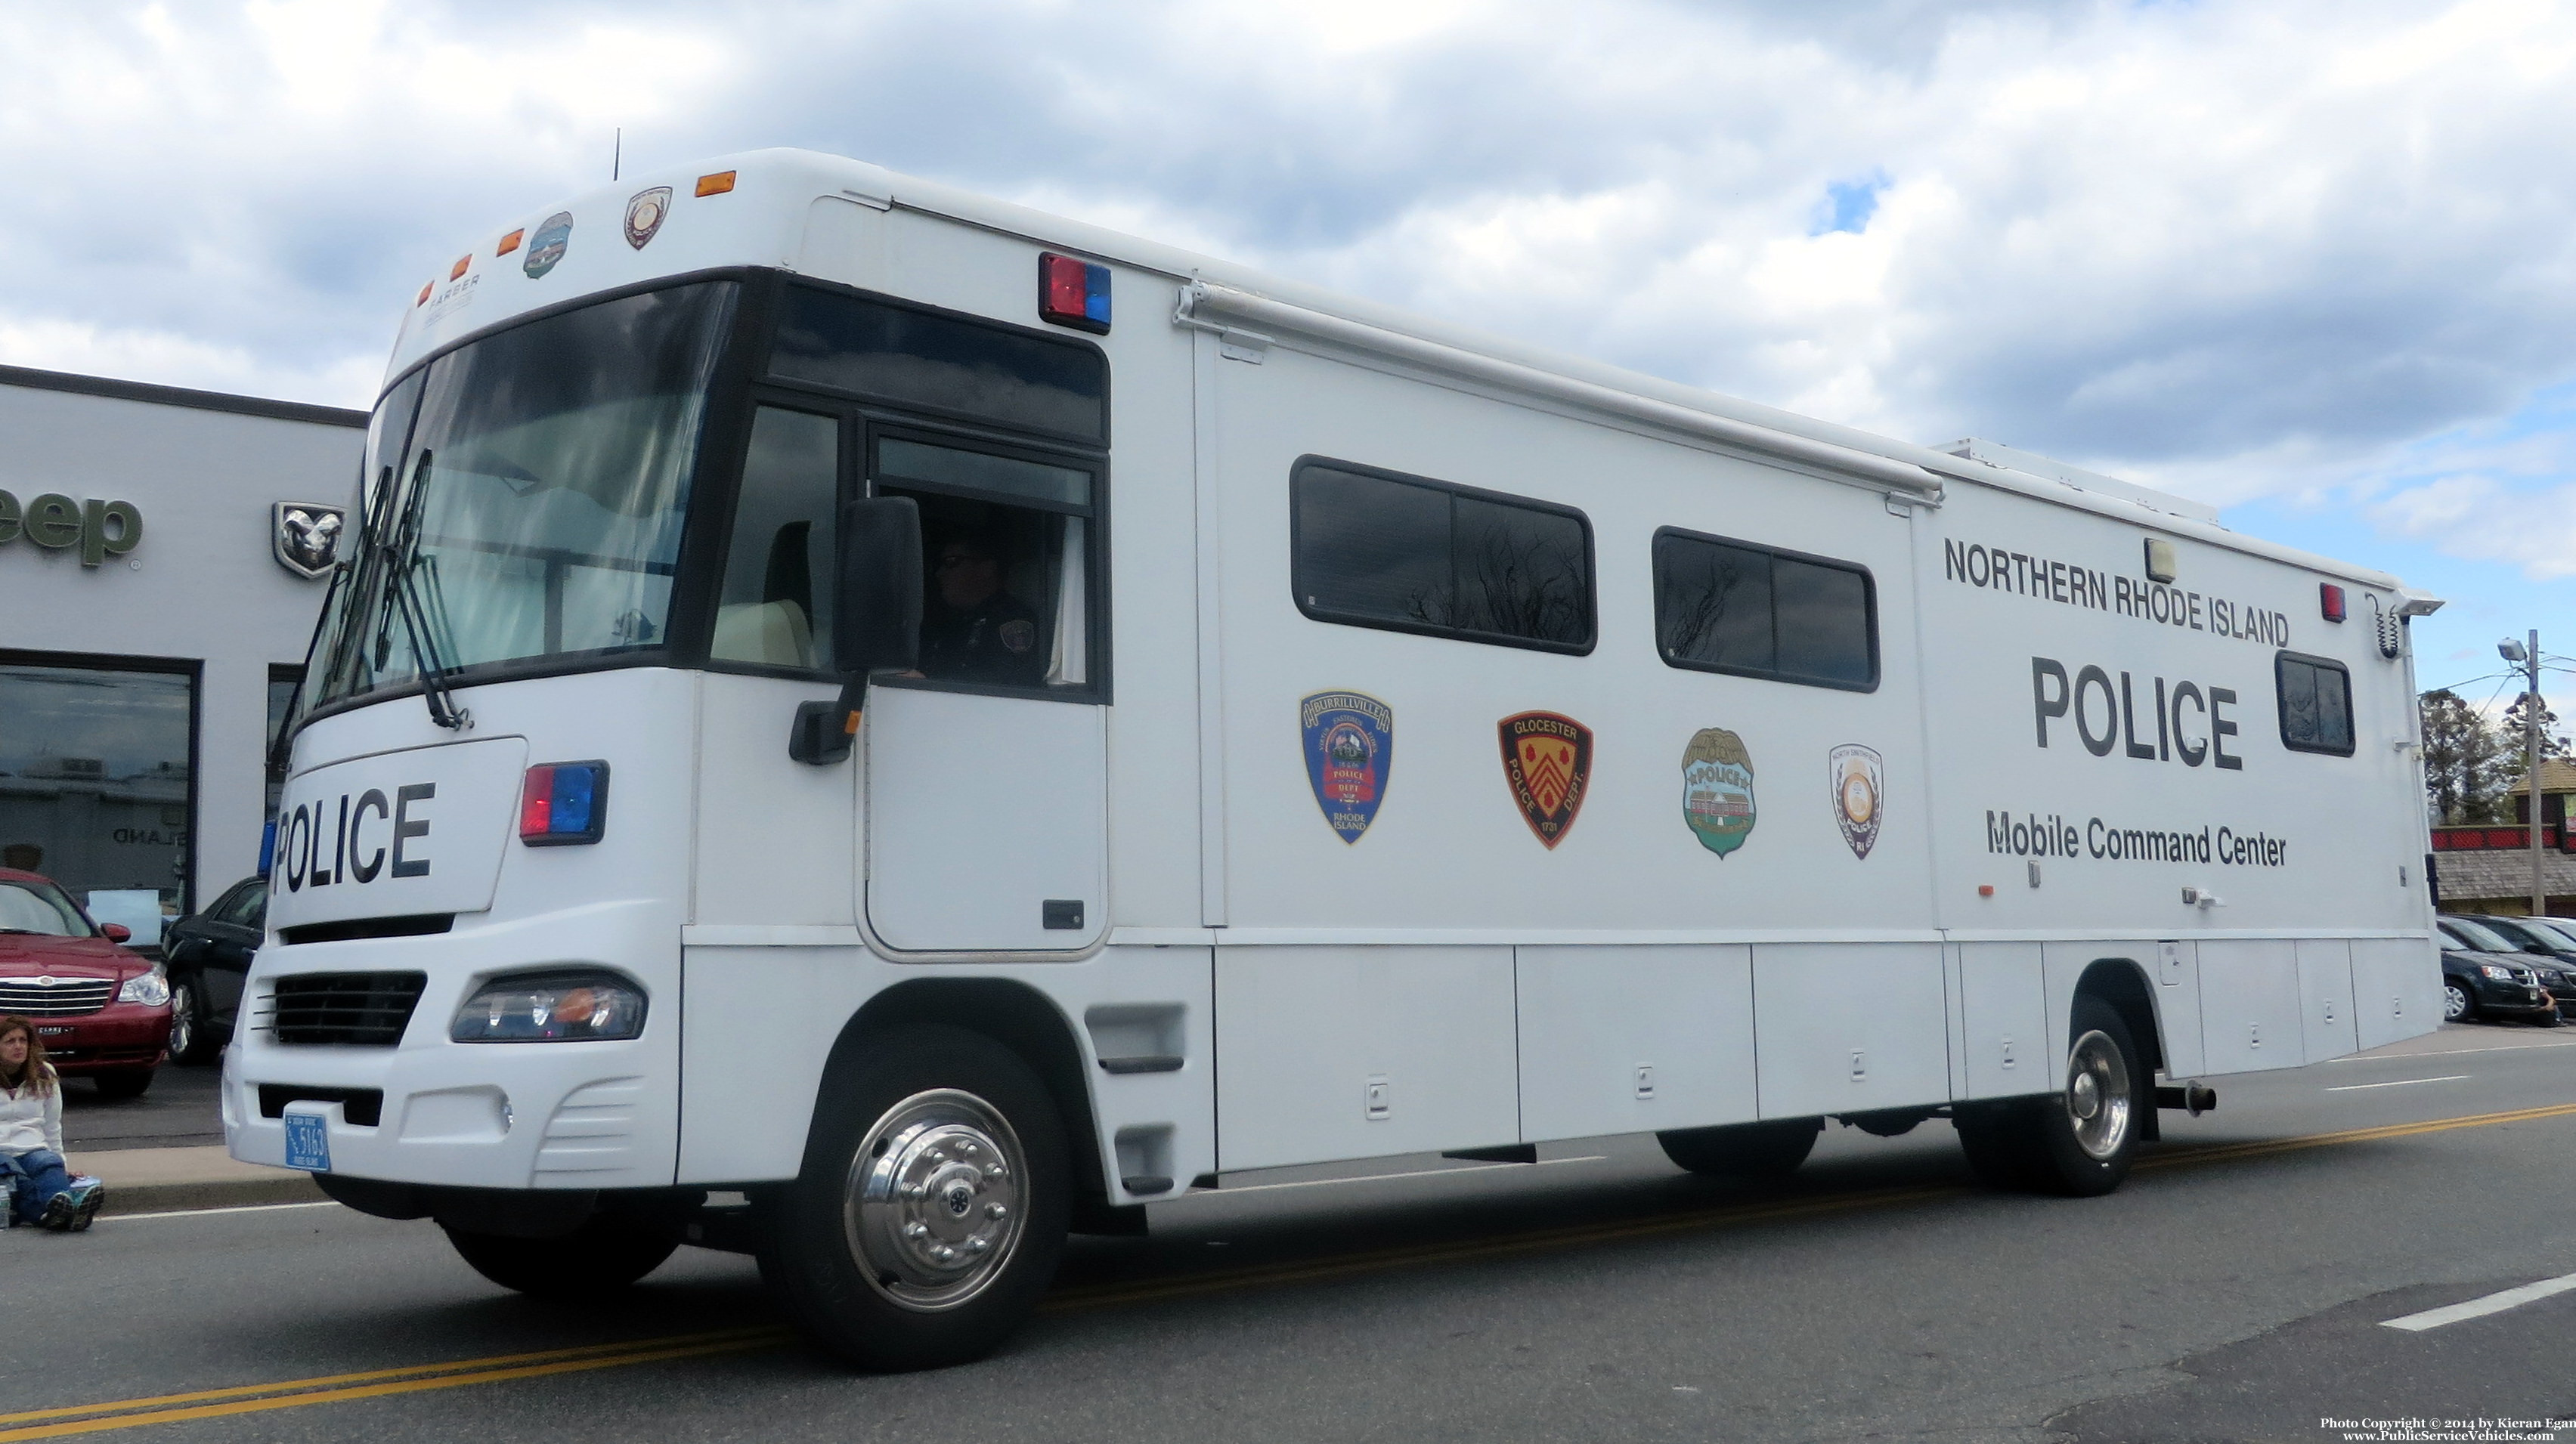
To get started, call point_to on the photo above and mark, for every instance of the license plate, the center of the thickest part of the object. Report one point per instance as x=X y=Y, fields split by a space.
x=308 y=1142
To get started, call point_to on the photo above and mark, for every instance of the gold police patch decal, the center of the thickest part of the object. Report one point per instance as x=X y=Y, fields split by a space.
x=1717 y=789
x=1860 y=793
x=1547 y=759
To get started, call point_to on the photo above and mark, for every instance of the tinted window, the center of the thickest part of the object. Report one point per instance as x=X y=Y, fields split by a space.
x=1422 y=556
x=1027 y=383
x=1734 y=606
x=771 y=611
x=2316 y=704
x=1010 y=565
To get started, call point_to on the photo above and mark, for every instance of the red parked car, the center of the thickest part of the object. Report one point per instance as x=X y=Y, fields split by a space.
x=101 y=1010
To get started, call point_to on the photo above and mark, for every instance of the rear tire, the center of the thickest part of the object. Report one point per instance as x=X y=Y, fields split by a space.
x=1743 y=1152
x=123 y=1083
x=604 y=1255
x=2079 y=1141
x=932 y=1207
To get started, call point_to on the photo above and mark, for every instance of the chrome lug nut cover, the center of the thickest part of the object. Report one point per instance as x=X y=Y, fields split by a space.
x=933 y=1209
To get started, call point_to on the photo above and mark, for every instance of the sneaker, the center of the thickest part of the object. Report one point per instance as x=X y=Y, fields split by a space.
x=90 y=1193
x=58 y=1212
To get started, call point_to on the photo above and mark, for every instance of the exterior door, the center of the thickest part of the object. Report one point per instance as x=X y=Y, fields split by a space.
x=987 y=768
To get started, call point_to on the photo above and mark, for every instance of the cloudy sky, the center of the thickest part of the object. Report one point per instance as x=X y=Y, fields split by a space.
x=2311 y=260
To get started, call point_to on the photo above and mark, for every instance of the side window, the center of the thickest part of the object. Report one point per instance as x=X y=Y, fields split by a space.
x=1735 y=606
x=778 y=568
x=2316 y=704
x=1012 y=564
x=1373 y=549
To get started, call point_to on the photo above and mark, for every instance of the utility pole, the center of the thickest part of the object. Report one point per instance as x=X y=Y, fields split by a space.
x=2529 y=657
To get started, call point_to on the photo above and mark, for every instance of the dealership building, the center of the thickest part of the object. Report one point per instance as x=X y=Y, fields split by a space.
x=163 y=556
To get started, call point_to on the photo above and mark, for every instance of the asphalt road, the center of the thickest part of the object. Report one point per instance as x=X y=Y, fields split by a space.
x=182 y=1109
x=2235 y=1289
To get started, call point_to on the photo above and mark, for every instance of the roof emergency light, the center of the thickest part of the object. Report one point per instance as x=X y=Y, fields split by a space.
x=1073 y=292
x=563 y=803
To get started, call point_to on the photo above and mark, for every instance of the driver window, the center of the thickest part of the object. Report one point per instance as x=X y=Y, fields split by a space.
x=1006 y=560
x=779 y=565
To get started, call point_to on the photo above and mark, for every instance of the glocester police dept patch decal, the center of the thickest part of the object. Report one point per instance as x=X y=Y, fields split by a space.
x=1350 y=745
x=1548 y=761
x=1860 y=790
x=1717 y=789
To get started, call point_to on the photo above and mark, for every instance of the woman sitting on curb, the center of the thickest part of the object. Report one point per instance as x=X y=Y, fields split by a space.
x=31 y=1137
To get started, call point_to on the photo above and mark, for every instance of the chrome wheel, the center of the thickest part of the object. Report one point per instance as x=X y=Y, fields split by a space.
x=2098 y=1095
x=2455 y=1002
x=936 y=1200
x=183 y=1023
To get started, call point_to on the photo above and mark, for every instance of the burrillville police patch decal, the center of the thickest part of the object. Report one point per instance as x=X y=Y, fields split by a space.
x=1860 y=791
x=1717 y=789
x=1350 y=747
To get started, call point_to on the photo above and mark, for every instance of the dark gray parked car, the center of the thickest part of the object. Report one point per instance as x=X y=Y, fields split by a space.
x=206 y=958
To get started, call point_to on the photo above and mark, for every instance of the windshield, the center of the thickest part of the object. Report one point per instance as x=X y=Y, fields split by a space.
x=2552 y=932
x=528 y=490
x=2479 y=938
x=27 y=907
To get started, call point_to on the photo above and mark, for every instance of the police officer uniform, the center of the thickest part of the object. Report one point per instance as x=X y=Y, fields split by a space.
x=995 y=640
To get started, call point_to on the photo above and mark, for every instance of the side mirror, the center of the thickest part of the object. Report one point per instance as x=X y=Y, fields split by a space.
x=876 y=619
x=116 y=932
x=876 y=598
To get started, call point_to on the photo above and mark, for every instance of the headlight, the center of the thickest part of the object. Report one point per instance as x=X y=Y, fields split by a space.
x=149 y=989
x=2501 y=975
x=550 y=1008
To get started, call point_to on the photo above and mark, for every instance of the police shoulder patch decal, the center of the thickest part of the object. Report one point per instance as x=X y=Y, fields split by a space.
x=1859 y=783
x=1547 y=759
x=1350 y=747
x=1717 y=789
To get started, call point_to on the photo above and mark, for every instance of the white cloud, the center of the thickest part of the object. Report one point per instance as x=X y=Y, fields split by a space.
x=2304 y=249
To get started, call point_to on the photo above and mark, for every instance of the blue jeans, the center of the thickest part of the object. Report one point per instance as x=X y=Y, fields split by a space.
x=40 y=1175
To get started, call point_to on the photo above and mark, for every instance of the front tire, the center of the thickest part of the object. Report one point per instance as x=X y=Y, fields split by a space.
x=932 y=1207
x=1743 y=1152
x=192 y=1040
x=2457 y=1005
x=604 y=1255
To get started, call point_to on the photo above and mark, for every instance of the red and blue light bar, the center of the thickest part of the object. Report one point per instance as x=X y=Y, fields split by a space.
x=1073 y=292
x=563 y=803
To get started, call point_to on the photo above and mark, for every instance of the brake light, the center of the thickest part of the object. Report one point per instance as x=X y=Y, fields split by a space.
x=1073 y=292
x=561 y=803
x=2330 y=601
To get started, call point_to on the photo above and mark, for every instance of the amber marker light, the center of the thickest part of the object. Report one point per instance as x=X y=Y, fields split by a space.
x=1985 y=889
x=511 y=241
x=715 y=185
x=425 y=288
x=457 y=272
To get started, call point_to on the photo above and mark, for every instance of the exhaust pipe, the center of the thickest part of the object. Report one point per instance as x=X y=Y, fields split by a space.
x=2194 y=1098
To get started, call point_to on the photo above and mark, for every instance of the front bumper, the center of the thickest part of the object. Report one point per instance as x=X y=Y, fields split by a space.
x=588 y=1115
x=2512 y=999
x=117 y=1037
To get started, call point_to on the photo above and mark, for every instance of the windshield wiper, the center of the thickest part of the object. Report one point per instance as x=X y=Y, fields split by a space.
x=403 y=569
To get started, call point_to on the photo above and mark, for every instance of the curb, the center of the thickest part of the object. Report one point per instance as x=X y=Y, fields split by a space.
x=212 y=1193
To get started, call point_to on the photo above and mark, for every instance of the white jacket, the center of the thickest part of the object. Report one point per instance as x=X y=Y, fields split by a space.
x=30 y=1120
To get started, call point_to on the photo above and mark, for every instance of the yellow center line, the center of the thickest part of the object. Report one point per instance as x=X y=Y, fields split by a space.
x=765 y=1332
x=764 y=1340
x=380 y=1383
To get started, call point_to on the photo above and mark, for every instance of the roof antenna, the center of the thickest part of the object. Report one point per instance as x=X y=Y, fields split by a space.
x=617 y=155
